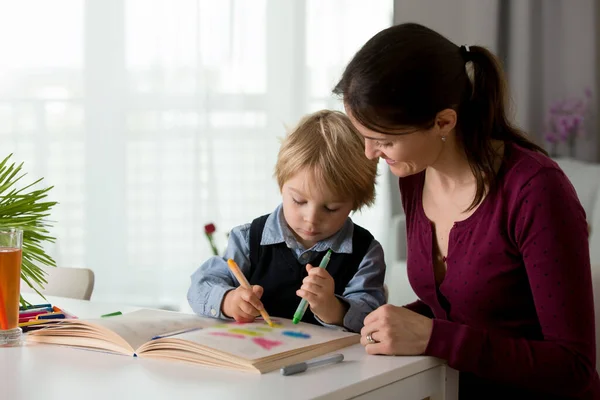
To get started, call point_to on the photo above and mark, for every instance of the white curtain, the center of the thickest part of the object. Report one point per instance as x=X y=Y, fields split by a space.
x=552 y=50
x=152 y=118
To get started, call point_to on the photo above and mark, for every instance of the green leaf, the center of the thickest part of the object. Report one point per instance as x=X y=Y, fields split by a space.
x=26 y=208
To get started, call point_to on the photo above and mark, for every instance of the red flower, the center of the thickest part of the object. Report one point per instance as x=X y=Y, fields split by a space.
x=209 y=228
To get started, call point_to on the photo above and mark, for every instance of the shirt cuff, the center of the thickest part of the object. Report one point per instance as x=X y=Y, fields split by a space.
x=212 y=307
x=354 y=319
x=325 y=324
x=332 y=326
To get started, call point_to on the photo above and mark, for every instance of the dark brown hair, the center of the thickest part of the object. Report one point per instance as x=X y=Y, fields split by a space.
x=406 y=74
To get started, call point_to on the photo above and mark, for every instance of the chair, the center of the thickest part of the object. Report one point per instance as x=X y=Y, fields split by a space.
x=584 y=177
x=596 y=290
x=76 y=283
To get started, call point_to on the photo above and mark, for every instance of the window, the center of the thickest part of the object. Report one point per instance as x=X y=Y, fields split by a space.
x=153 y=118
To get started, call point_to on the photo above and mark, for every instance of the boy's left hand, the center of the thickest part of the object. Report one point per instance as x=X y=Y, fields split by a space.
x=318 y=288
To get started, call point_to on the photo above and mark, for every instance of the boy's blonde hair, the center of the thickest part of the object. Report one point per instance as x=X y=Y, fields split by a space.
x=331 y=148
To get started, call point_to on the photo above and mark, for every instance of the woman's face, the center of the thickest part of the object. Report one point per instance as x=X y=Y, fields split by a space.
x=410 y=151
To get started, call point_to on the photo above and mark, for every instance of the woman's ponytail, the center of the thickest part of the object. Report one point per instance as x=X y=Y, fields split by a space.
x=482 y=117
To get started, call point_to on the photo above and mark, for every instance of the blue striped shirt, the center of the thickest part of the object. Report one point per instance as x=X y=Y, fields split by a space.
x=363 y=294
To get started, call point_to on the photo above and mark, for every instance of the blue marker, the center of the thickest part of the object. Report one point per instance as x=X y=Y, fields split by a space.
x=166 y=335
x=304 y=304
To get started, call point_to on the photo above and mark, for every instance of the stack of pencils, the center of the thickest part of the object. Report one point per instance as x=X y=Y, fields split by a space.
x=37 y=314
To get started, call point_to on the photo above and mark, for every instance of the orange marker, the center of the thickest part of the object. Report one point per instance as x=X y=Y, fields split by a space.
x=244 y=282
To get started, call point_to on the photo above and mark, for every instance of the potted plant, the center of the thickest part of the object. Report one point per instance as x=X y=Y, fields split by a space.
x=26 y=208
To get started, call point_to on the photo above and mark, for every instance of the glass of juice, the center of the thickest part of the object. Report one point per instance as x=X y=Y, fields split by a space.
x=11 y=242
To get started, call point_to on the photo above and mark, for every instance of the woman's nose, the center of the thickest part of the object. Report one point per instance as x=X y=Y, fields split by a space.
x=370 y=151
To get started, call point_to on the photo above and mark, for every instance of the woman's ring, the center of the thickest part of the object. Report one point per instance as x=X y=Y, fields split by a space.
x=370 y=339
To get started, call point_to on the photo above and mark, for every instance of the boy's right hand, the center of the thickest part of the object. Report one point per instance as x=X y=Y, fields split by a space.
x=243 y=304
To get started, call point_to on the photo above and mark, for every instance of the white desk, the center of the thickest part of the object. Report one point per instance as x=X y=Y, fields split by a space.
x=36 y=371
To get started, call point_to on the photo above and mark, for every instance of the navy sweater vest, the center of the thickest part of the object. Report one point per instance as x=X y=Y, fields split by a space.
x=275 y=268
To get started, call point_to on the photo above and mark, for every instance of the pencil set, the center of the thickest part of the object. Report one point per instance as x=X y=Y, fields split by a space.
x=30 y=316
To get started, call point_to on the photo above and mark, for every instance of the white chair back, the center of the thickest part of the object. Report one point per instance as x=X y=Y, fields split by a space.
x=596 y=289
x=76 y=283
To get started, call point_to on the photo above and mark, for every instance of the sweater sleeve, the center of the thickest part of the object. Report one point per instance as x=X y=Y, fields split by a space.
x=548 y=225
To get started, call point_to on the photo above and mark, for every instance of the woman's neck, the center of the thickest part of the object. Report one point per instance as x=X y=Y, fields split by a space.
x=451 y=169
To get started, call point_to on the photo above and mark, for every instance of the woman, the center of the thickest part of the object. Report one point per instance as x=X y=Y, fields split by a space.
x=497 y=239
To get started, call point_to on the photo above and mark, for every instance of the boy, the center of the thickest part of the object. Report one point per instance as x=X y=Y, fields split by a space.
x=277 y=252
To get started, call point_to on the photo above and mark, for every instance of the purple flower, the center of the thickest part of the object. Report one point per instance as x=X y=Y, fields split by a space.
x=551 y=137
x=563 y=132
x=565 y=118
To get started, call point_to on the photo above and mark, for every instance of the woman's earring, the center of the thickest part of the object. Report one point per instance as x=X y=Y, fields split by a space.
x=443 y=138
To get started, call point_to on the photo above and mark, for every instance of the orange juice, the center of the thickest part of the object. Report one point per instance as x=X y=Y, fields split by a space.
x=10 y=282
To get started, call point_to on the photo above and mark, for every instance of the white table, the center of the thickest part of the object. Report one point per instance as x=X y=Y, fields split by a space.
x=36 y=371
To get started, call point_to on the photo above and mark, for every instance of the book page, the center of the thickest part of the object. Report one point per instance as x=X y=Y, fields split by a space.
x=140 y=326
x=256 y=340
x=134 y=328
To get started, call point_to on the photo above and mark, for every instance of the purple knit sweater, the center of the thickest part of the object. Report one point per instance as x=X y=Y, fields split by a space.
x=514 y=313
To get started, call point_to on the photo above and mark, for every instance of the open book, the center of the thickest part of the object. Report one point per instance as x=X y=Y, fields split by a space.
x=253 y=347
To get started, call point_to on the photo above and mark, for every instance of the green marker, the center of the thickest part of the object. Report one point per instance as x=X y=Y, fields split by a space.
x=304 y=304
x=114 y=314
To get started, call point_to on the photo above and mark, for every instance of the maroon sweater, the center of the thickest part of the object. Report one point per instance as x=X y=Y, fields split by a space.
x=514 y=313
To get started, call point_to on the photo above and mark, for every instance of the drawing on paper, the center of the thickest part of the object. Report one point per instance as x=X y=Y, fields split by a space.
x=228 y=334
x=266 y=343
x=247 y=332
x=296 y=334
x=266 y=338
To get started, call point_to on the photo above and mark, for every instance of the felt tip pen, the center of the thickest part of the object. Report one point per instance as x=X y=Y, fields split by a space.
x=50 y=316
x=239 y=275
x=32 y=306
x=32 y=314
x=112 y=314
x=303 y=366
x=303 y=303
x=180 y=331
x=34 y=310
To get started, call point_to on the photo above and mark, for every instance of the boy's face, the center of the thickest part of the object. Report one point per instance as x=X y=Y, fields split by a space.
x=313 y=214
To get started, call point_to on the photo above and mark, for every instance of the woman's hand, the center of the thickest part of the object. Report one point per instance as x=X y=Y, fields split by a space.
x=396 y=331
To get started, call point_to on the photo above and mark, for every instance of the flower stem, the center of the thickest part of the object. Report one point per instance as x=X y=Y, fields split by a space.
x=212 y=244
x=572 y=146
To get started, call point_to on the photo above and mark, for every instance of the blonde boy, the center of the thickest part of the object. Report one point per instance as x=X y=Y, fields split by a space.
x=323 y=176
